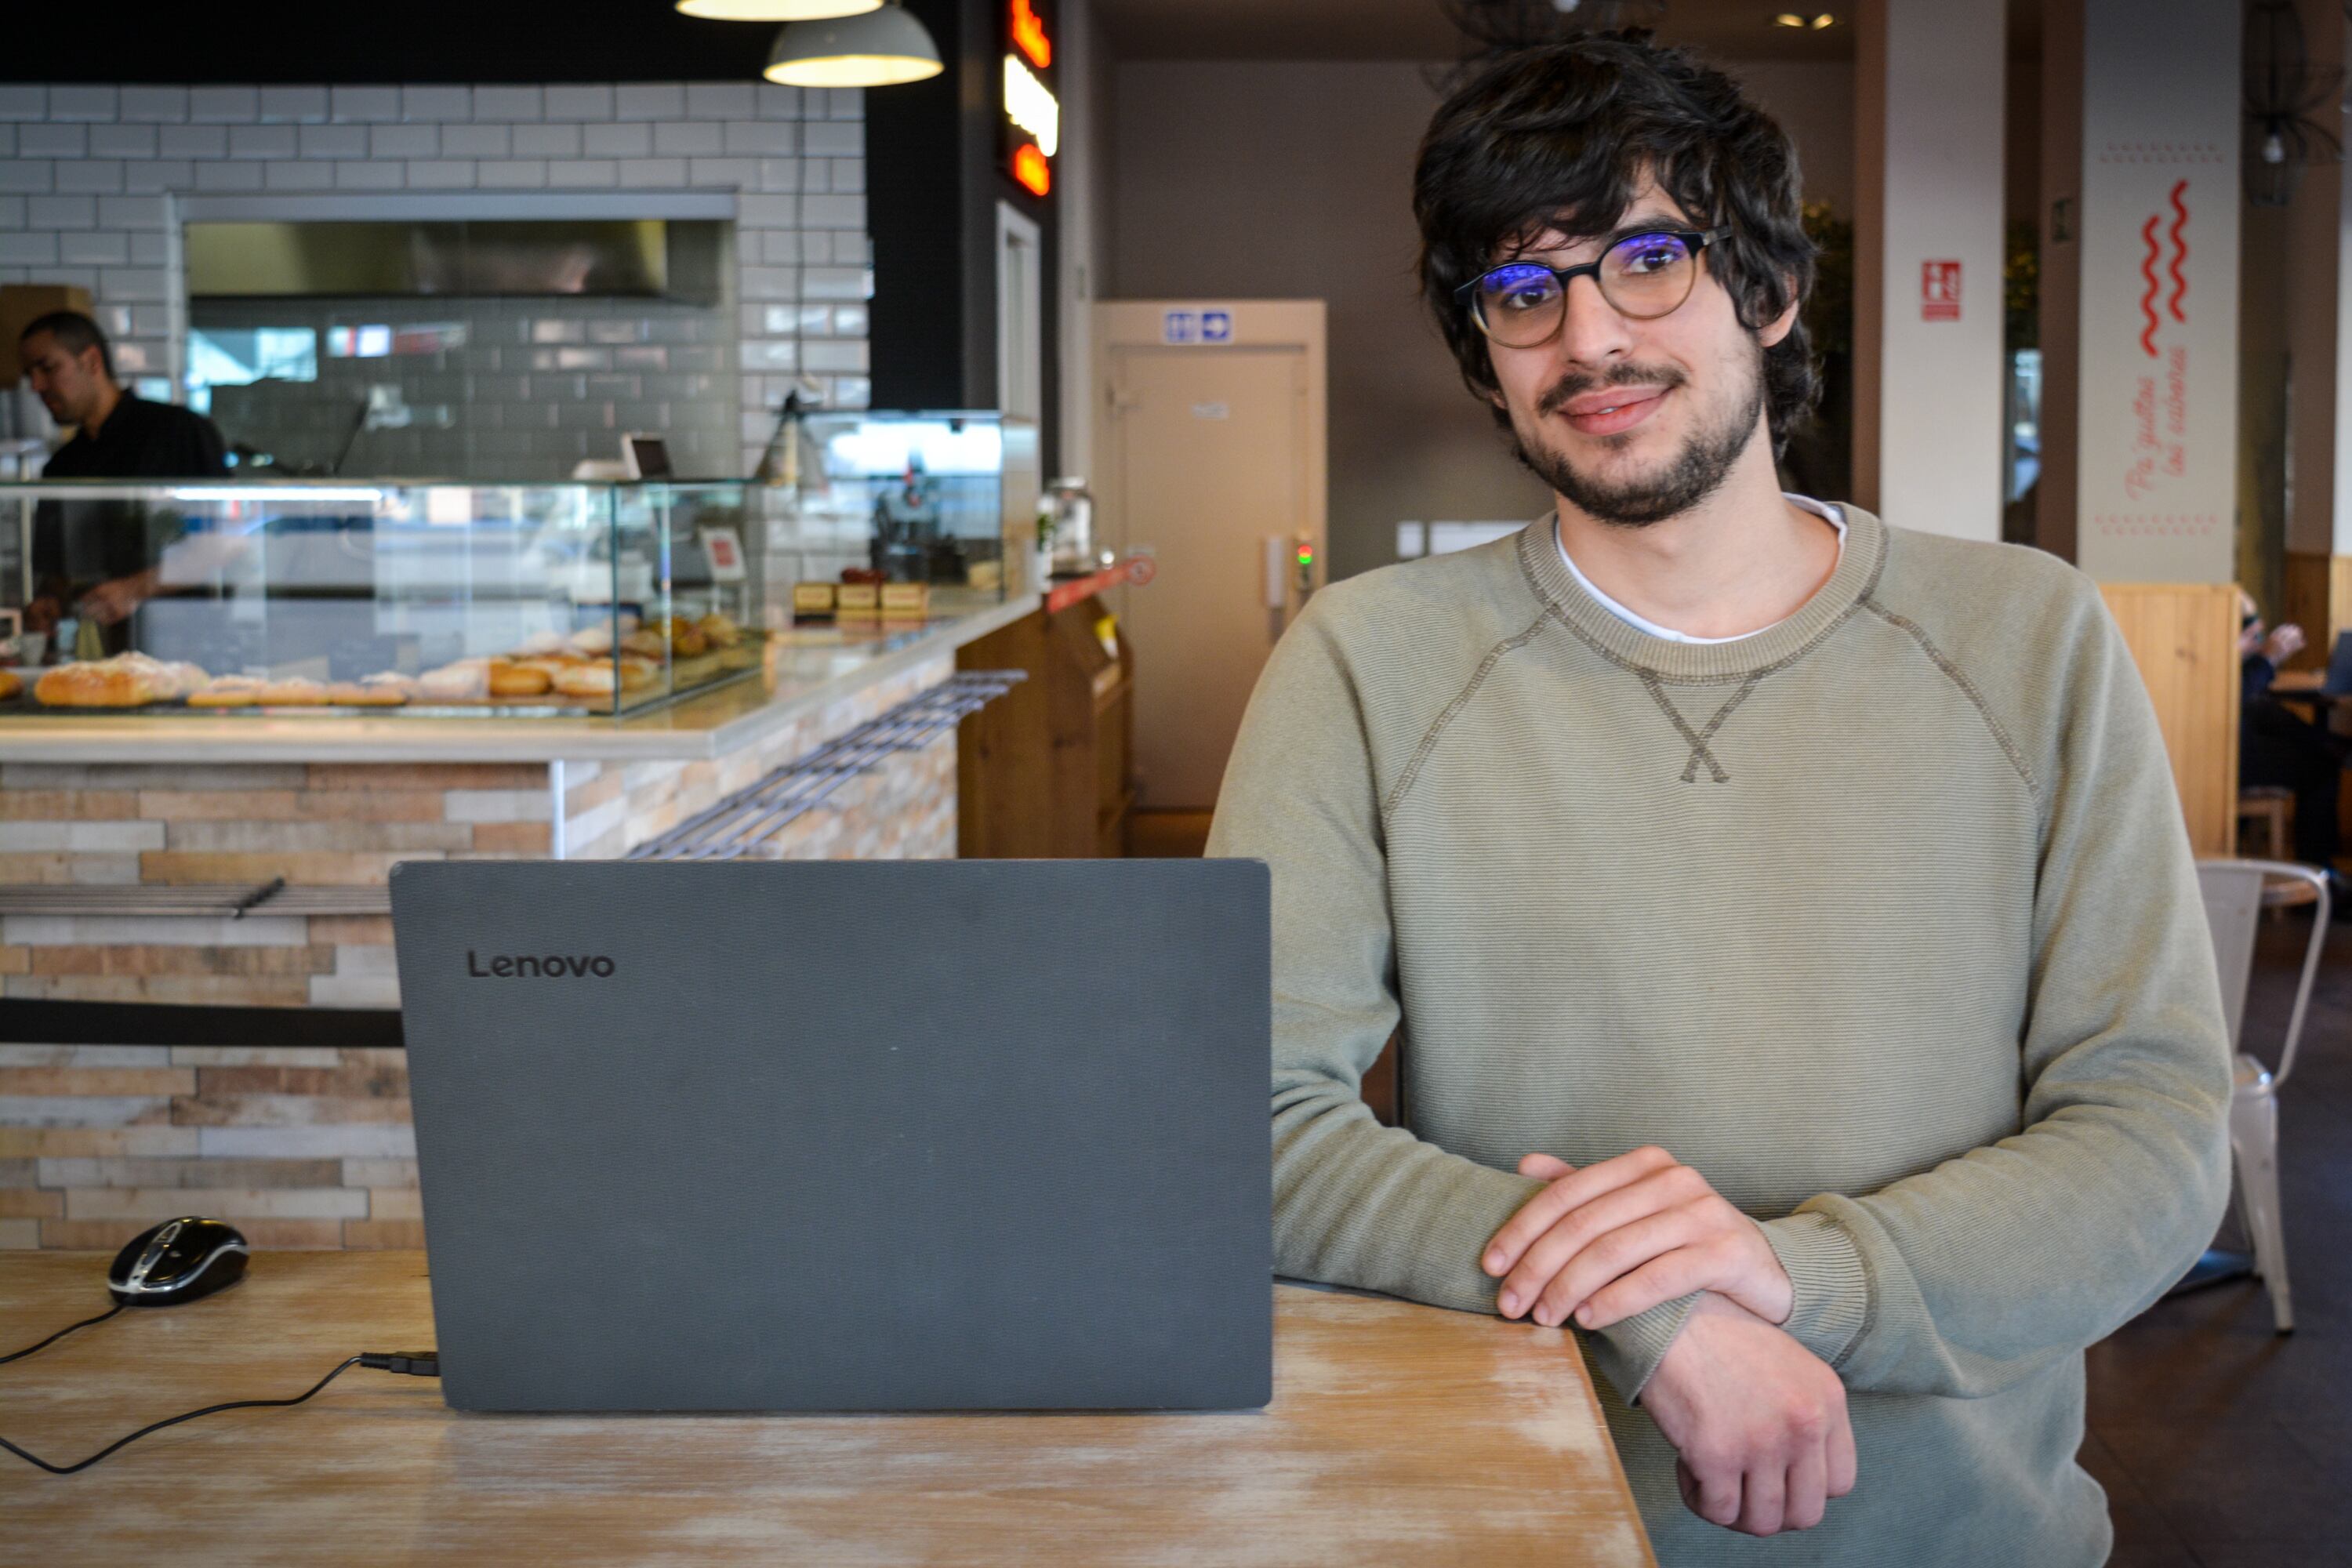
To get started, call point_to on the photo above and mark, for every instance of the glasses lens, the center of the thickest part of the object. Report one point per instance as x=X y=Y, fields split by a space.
x=1648 y=274
x=1517 y=305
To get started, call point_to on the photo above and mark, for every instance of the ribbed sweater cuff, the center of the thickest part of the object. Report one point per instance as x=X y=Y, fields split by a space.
x=1832 y=1286
x=1628 y=1352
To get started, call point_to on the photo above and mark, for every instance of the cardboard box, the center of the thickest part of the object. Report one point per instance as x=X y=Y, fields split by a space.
x=905 y=601
x=858 y=599
x=23 y=303
x=812 y=601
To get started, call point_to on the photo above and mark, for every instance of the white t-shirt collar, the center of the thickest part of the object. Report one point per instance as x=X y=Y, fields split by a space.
x=1835 y=517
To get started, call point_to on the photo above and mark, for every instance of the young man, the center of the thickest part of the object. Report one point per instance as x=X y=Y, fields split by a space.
x=1789 y=919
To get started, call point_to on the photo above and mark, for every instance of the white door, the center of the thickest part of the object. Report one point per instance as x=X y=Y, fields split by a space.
x=1213 y=457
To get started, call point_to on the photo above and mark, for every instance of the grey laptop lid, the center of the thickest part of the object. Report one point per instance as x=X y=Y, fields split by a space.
x=840 y=1135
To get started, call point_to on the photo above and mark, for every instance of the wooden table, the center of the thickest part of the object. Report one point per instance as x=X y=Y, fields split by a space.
x=1398 y=1434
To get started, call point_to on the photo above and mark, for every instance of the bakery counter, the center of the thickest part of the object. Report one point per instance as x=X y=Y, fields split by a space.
x=107 y=823
x=802 y=670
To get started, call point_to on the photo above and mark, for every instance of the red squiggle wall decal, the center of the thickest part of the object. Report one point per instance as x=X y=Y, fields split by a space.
x=2179 y=251
x=2148 y=300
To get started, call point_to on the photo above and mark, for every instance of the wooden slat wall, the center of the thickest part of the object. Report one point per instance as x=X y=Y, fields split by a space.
x=2319 y=600
x=2184 y=636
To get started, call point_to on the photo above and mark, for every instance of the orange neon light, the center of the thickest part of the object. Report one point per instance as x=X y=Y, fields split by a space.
x=1029 y=167
x=1029 y=34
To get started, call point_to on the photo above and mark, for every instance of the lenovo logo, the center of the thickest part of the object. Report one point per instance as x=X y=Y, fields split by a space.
x=504 y=966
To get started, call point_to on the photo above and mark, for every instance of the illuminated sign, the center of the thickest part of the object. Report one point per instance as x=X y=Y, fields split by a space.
x=1028 y=105
x=1031 y=126
x=1029 y=34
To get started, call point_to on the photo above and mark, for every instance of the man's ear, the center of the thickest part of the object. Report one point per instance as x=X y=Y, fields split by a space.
x=1781 y=325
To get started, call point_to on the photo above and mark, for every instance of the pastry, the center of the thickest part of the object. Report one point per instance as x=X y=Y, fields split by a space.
x=294 y=693
x=541 y=643
x=384 y=690
x=11 y=684
x=596 y=679
x=597 y=638
x=229 y=691
x=463 y=681
x=645 y=644
x=694 y=671
x=126 y=680
x=517 y=679
x=718 y=630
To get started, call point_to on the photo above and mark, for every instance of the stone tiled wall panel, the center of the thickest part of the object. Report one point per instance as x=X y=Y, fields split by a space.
x=311 y=1147
x=298 y=1147
x=320 y=823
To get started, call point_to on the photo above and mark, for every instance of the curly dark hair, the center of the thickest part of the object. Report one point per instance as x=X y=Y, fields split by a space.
x=1560 y=136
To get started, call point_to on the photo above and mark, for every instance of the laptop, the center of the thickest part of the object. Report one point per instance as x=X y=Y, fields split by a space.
x=842 y=1135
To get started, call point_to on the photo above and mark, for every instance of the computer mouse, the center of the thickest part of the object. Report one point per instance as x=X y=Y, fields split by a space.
x=179 y=1260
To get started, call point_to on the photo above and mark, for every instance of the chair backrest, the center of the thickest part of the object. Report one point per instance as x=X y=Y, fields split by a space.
x=2338 y=680
x=2233 y=908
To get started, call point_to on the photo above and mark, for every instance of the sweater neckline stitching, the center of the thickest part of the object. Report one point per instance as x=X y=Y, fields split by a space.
x=1554 y=610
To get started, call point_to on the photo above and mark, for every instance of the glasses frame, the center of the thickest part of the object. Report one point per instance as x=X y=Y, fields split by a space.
x=1699 y=239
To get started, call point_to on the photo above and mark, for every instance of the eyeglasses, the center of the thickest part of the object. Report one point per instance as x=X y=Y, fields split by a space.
x=1643 y=276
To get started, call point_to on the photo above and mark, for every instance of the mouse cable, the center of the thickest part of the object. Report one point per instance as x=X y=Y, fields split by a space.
x=415 y=1364
x=61 y=1333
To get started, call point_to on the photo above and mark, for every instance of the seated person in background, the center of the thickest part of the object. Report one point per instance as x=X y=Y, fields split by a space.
x=95 y=559
x=2279 y=747
x=1790 y=917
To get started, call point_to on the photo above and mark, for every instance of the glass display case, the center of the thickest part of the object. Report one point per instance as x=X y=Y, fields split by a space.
x=339 y=597
x=901 y=497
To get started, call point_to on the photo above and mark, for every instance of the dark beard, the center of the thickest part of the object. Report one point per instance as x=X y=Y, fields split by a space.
x=1696 y=472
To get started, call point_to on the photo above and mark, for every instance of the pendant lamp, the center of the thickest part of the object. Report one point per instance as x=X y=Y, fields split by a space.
x=875 y=48
x=774 y=10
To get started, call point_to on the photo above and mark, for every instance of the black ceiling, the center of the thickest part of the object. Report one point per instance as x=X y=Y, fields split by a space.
x=376 y=41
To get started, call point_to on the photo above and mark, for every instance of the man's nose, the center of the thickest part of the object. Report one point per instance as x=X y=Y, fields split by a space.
x=1590 y=329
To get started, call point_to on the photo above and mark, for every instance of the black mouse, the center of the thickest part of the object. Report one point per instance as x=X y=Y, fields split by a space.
x=177 y=1261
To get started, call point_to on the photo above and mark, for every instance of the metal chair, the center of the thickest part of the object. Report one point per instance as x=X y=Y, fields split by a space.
x=2233 y=906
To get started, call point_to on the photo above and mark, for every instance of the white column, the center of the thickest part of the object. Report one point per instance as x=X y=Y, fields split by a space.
x=1928 y=307
x=2156 y=498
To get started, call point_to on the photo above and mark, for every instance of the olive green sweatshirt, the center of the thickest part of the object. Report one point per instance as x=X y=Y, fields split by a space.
x=1883 y=920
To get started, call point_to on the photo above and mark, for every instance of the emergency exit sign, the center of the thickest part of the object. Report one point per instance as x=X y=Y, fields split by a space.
x=1939 y=291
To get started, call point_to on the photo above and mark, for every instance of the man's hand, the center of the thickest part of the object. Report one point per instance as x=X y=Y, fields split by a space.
x=1617 y=1238
x=2284 y=643
x=111 y=601
x=1759 y=1422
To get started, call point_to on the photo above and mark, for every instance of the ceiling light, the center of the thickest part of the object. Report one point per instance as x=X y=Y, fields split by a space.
x=877 y=48
x=774 y=10
x=1824 y=20
x=1788 y=19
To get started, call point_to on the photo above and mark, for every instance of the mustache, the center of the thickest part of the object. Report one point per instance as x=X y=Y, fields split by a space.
x=1576 y=383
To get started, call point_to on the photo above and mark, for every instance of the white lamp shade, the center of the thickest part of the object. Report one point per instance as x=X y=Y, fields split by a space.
x=877 y=48
x=774 y=10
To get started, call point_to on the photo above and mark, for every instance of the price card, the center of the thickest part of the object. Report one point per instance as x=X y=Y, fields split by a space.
x=723 y=548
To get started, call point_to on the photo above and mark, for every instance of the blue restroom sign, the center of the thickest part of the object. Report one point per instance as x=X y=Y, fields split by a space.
x=1191 y=327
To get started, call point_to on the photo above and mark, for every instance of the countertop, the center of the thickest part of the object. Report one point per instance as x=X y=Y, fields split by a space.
x=799 y=674
x=1398 y=1435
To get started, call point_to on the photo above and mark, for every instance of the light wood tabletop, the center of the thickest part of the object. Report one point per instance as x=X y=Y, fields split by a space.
x=1399 y=1434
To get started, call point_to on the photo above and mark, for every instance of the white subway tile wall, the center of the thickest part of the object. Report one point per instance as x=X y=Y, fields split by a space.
x=90 y=177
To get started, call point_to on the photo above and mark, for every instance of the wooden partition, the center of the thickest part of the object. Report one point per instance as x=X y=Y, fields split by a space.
x=2184 y=636
x=1043 y=771
x=2319 y=600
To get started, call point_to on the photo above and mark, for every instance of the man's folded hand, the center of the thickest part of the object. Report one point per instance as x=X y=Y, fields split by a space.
x=1616 y=1238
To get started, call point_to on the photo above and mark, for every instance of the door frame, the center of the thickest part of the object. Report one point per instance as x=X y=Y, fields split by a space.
x=1131 y=325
